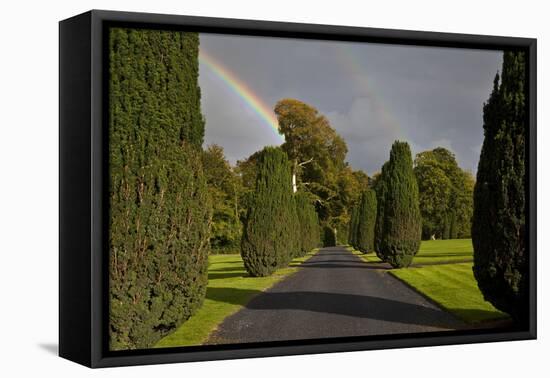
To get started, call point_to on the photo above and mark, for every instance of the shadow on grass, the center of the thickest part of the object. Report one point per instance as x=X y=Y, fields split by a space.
x=229 y=274
x=445 y=254
x=231 y=295
x=419 y=263
x=478 y=316
x=236 y=262
x=360 y=306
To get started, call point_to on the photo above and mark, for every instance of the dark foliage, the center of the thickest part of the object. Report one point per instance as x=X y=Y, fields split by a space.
x=446 y=195
x=399 y=223
x=353 y=223
x=366 y=221
x=380 y=188
x=309 y=233
x=225 y=188
x=329 y=237
x=498 y=229
x=159 y=204
x=269 y=239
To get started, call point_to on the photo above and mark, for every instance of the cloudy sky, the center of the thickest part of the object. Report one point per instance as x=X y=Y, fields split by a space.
x=372 y=94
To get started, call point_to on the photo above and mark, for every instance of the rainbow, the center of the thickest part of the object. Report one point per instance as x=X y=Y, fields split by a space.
x=352 y=63
x=247 y=96
x=347 y=58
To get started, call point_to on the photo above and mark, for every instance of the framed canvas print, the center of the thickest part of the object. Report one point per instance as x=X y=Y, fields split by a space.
x=233 y=188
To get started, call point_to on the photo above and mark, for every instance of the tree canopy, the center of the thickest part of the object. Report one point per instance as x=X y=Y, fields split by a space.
x=225 y=189
x=317 y=154
x=445 y=195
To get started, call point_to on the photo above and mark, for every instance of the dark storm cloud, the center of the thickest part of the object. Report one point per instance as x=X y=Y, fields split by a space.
x=371 y=93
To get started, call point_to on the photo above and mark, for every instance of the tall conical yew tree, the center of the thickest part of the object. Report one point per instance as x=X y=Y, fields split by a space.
x=159 y=205
x=308 y=223
x=366 y=221
x=498 y=227
x=380 y=189
x=399 y=222
x=353 y=223
x=269 y=239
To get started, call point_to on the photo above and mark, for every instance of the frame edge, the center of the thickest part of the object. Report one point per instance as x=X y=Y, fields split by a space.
x=75 y=275
x=96 y=353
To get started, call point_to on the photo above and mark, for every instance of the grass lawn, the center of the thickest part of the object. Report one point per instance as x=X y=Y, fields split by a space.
x=452 y=284
x=229 y=289
x=369 y=257
x=454 y=288
x=442 y=251
x=434 y=251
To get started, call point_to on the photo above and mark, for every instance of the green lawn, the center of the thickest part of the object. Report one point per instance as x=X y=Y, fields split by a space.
x=451 y=284
x=229 y=289
x=442 y=251
x=369 y=257
x=434 y=251
x=454 y=288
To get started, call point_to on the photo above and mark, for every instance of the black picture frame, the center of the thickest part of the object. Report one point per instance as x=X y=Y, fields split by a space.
x=83 y=204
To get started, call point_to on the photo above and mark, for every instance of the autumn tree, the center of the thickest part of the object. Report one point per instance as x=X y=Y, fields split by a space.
x=314 y=148
x=310 y=141
x=317 y=154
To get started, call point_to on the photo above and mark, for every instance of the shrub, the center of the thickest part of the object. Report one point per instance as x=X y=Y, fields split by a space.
x=159 y=205
x=380 y=189
x=366 y=221
x=308 y=223
x=269 y=238
x=399 y=223
x=498 y=230
x=353 y=223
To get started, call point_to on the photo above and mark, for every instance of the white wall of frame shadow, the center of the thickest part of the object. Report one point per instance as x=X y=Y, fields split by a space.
x=29 y=186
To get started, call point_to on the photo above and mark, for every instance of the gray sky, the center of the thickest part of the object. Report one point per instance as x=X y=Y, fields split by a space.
x=372 y=94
